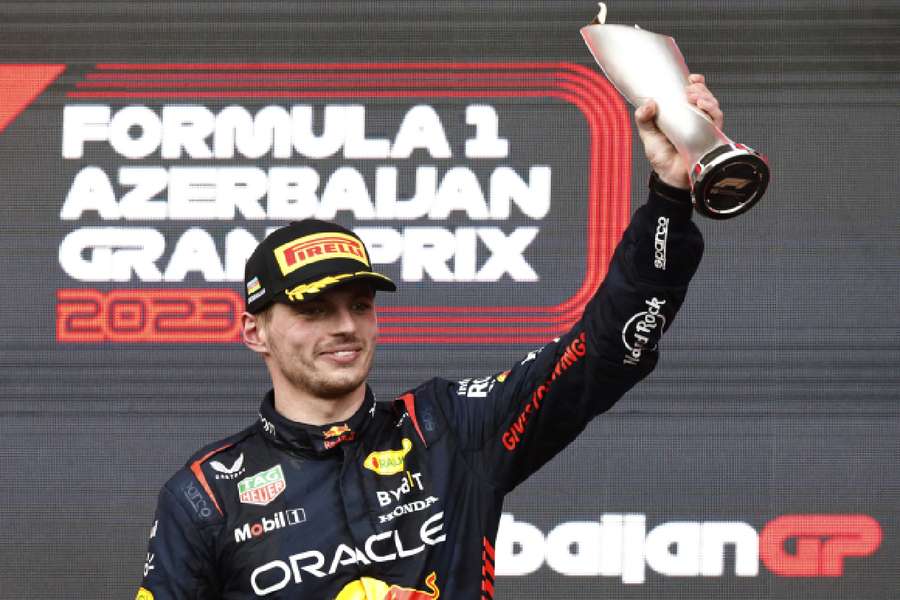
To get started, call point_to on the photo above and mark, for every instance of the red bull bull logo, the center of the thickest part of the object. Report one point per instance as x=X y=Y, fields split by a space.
x=369 y=588
x=336 y=431
x=337 y=434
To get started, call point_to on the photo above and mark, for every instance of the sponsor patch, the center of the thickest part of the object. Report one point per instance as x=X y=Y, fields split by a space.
x=659 y=243
x=642 y=331
x=225 y=472
x=144 y=594
x=263 y=487
x=381 y=547
x=267 y=425
x=253 y=285
x=281 y=519
x=479 y=388
x=388 y=462
x=319 y=246
x=336 y=431
x=369 y=587
x=148 y=564
x=407 y=508
x=412 y=482
x=337 y=434
x=198 y=500
x=576 y=349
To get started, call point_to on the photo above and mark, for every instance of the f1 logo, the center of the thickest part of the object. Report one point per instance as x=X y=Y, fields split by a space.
x=821 y=542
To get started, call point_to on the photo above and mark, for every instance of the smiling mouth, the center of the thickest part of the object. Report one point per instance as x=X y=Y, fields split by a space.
x=344 y=355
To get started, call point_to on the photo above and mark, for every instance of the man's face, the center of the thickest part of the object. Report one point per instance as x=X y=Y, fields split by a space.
x=323 y=346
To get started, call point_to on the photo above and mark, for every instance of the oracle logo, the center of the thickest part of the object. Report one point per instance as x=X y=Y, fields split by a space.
x=822 y=542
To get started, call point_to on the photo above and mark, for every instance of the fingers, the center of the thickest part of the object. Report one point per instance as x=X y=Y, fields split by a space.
x=699 y=95
x=644 y=116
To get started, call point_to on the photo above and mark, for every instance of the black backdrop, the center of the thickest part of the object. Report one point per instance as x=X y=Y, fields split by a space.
x=777 y=391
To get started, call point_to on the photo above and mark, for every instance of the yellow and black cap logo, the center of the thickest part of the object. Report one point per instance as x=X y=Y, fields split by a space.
x=304 y=258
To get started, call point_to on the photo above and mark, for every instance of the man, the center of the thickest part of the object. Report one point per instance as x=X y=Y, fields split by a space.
x=333 y=495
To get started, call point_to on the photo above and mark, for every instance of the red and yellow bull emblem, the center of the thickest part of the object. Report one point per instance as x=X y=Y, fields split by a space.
x=388 y=462
x=318 y=246
x=368 y=588
x=336 y=431
x=337 y=434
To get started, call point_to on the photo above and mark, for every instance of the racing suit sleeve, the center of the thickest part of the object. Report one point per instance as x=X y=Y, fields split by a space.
x=514 y=422
x=178 y=565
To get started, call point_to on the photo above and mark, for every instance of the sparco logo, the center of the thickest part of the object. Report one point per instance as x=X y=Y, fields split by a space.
x=642 y=331
x=381 y=547
x=197 y=500
x=659 y=243
x=279 y=520
x=440 y=181
x=620 y=545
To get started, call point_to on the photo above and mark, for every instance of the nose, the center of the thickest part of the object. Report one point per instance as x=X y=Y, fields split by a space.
x=343 y=322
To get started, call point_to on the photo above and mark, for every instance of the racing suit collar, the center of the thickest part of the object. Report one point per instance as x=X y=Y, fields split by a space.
x=313 y=438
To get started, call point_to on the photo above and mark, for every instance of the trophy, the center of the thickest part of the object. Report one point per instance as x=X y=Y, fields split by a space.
x=727 y=178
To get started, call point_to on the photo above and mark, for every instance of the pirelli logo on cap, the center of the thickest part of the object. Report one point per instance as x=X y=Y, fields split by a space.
x=318 y=246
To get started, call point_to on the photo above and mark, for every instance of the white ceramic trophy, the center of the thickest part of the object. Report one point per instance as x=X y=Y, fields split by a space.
x=727 y=178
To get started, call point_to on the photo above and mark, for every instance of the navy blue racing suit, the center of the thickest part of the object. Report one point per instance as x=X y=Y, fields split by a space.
x=403 y=499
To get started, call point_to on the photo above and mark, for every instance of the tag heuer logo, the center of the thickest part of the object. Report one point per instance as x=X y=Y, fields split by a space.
x=263 y=487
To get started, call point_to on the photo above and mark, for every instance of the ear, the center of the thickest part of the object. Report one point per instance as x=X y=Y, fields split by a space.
x=253 y=334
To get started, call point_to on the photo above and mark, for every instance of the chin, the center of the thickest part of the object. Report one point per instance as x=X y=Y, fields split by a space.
x=338 y=389
x=342 y=383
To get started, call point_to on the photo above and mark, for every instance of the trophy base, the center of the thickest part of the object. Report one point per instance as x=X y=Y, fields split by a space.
x=728 y=181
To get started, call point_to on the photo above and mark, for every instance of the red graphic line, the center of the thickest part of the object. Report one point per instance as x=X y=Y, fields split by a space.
x=442 y=319
x=593 y=275
x=259 y=85
x=20 y=85
x=114 y=78
x=487 y=569
x=409 y=401
x=329 y=66
x=463 y=326
x=591 y=254
x=249 y=94
x=588 y=99
x=198 y=473
x=463 y=339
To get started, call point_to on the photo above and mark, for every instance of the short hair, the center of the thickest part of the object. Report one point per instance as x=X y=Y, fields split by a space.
x=264 y=316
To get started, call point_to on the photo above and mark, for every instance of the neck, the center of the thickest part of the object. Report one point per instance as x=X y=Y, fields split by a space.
x=302 y=407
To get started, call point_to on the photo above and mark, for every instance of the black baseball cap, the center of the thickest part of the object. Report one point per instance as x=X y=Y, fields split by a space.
x=306 y=257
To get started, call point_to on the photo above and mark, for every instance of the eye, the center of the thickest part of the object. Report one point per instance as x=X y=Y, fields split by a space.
x=311 y=309
x=362 y=305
